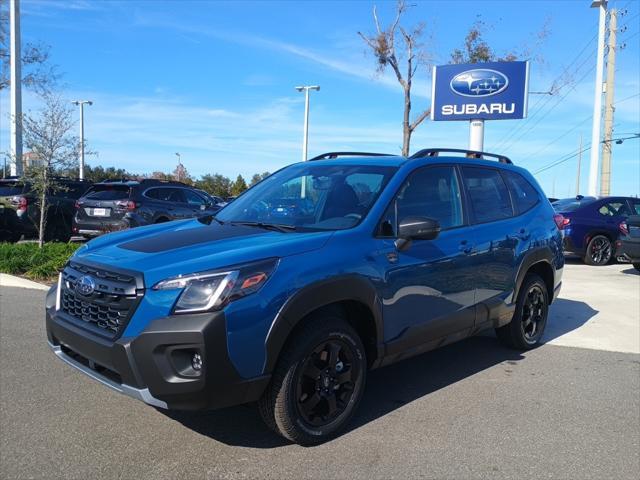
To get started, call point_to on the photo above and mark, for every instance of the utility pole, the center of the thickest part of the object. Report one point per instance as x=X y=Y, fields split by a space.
x=601 y=5
x=82 y=103
x=179 y=170
x=16 y=89
x=607 y=144
x=579 y=165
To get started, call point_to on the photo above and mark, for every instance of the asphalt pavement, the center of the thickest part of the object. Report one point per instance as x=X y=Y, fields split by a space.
x=569 y=409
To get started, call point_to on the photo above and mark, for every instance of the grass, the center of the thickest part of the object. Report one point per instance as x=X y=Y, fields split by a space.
x=28 y=260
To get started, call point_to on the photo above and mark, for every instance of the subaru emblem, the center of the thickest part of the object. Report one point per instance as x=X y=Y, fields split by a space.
x=85 y=285
x=480 y=82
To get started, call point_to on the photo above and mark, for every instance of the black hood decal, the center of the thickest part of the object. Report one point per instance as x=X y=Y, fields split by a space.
x=173 y=239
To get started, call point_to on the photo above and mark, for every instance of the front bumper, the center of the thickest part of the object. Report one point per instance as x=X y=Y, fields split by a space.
x=155 y=366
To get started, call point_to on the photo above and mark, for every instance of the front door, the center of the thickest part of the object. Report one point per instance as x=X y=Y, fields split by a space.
x=428 y=289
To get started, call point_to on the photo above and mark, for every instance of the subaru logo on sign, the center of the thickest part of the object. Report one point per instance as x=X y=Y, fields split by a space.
x=480 y=82
x=85 y=285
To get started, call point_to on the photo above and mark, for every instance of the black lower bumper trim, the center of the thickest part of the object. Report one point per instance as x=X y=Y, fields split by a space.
x=159 y=360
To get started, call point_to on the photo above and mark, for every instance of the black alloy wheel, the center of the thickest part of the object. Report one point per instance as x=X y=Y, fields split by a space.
x=599 y=251
x=318 y=382
x=526 y=328
x=325 y=384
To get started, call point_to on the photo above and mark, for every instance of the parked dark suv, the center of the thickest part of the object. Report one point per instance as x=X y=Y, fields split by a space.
x=20 y=209
x=118 y=205
x=387 y=257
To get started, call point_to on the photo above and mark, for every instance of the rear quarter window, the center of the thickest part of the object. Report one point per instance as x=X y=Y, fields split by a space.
x=523 y=194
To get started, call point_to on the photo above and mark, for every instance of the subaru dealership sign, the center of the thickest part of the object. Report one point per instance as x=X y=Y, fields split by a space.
x=480 y=91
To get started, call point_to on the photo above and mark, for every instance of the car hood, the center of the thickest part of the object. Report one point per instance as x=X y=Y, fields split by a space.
x=182 y=247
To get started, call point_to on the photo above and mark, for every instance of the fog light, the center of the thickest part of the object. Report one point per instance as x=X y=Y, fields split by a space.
x=196 y=362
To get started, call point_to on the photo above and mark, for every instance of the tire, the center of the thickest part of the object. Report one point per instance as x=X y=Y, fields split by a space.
x=599 y=251
x=161 y=220
x=323 y=352
x=636 y=266
x=525 y=332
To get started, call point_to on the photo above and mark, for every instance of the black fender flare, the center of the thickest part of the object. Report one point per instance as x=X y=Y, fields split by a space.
x=315 y=296
x=539 y=255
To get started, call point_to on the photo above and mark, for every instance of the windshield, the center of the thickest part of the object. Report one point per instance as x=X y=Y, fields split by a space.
x=571 y=204
x=311 y=196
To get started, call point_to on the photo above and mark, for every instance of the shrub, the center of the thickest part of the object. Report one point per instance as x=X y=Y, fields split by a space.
x=33 y=262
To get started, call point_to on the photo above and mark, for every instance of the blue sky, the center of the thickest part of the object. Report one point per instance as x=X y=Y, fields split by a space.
x=214 y=81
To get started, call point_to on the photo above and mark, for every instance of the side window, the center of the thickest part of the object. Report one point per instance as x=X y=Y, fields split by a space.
x=524 y=195
x=431 y=192
x=612 y=209
x=488 y=194
x=193 y=198
x=176 y=195
x=153 y=193
x=635 y=207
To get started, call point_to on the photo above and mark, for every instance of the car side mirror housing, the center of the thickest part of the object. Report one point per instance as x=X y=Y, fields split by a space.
x=416 y=228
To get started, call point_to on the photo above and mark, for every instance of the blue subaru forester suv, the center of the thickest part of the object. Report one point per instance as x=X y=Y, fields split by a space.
x=373 y=258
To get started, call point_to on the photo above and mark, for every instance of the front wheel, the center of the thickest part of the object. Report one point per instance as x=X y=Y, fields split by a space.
x=318 y=382
x=526 y=328
x=599 y=251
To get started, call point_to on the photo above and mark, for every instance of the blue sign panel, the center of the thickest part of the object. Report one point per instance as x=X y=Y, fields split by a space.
x=487 y=91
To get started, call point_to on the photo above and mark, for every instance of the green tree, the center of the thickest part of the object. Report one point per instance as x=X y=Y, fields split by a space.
x=238 y=186
x=258 y=177
x=48 y=135
x=215 y=184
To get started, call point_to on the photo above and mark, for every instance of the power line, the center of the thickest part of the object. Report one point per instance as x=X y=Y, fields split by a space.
x=555 y=140
x=548 y=99
x=563 y=159
x=513 y=140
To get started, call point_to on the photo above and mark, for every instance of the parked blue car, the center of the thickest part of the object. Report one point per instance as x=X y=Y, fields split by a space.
x=592 y=224
x=382 y=258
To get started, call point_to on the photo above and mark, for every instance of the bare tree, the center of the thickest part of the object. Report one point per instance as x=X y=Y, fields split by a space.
x=48 y=136
x=402 y=50
x=39 y=74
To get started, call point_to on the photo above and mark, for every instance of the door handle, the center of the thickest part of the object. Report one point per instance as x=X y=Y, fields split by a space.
x=465 y=247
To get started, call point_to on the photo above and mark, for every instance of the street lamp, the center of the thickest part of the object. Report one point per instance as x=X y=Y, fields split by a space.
x=82 y=103
x=305 y=139
x=179 y=164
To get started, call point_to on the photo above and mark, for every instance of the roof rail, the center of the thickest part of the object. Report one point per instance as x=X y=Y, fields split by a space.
x=329 y=155
x=435 y=152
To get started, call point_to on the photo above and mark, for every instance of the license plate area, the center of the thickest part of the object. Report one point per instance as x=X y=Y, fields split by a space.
x=98 y=212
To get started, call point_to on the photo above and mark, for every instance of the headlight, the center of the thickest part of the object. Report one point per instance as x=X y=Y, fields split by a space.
x=215 y=289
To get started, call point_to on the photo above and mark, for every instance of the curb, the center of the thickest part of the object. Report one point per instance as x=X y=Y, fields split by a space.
x=7 y=280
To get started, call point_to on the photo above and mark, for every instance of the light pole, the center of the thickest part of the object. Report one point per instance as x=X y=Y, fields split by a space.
x=305 y=139
x=179 y=164
x=601 y=5
x=16 y=89
x=82 y=103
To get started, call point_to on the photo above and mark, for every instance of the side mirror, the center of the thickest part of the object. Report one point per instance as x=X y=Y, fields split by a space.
x=416 y=228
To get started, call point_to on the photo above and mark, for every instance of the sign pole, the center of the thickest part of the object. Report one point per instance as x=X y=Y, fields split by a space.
x=476 y=135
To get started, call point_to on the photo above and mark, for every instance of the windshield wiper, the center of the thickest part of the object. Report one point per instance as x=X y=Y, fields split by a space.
x=267 y=226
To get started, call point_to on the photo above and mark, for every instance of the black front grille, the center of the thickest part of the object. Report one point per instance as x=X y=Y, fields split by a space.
x=105 y=310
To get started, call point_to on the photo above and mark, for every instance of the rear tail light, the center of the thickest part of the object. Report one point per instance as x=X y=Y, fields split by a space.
x=21 y=202
x=128 y=205
x=561 y=221
x=77 y=204
x=624 y=228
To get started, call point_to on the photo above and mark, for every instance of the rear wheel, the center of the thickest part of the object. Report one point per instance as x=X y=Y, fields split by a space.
x=57 y=231
x=318 y=382
x=599 y=251
x=525 y=330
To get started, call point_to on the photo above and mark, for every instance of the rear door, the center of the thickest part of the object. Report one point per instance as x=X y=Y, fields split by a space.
x=498 y=234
